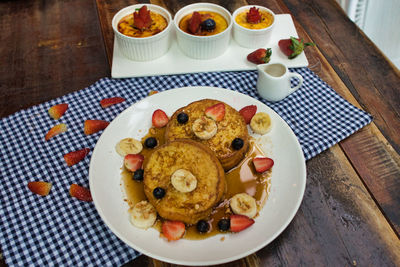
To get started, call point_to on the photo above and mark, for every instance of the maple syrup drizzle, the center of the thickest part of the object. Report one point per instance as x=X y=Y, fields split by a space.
x=242 y=178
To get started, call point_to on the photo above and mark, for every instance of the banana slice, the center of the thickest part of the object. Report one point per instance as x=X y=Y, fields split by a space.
x=261 y=123
x=128 y=146
x=243 y=204
x=204 y=128
x=143 y=215
x=183 y=181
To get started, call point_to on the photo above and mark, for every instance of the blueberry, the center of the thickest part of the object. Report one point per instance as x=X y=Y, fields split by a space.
x=138 y=175
x=208 y=25
x=158 y=192
x=202 y=226
x=237 y=143
x=150 y=142
x=224 y=225
x=182 y=118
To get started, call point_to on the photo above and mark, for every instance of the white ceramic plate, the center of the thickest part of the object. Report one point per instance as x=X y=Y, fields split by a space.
x=175 y=62
x=288 y=182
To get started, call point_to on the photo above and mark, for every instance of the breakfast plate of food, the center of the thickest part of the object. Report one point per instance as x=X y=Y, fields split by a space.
x=174 y=49
x=197 y=175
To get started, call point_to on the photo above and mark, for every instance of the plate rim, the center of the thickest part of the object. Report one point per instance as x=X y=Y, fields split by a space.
x=207 y=262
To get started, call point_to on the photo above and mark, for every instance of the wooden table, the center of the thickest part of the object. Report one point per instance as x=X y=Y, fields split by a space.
x=350 y=214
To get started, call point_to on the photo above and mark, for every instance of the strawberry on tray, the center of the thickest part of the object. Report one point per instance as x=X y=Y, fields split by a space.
x=260 y=56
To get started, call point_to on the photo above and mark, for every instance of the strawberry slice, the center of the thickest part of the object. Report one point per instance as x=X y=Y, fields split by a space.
x=93 y=126
x=80 y=192
x=253 y=16
x=260 y=56
x=159 y=118
x=173 y=230
x=59 y=128
x=240 y=222
x=248 y=112
x=263 y=164
x=74 y=157
x=195 y=22
x=57 y=111
x=216 y=112
x=142 y=19
x=153 y=92
x=133 y=162
x=106 y=102
x=39 y=187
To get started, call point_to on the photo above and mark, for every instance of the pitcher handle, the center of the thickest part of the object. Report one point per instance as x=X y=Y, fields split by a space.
x=298 y=76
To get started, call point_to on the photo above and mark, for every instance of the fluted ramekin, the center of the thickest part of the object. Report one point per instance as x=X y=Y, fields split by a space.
x=145 y=48
x=203 y=47
x=251 y=38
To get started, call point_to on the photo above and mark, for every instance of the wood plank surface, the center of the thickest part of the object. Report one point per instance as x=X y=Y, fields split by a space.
x=56 y=48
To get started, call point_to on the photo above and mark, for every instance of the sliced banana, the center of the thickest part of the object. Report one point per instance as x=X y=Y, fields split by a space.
x=183 y=181
x=143 y=215
x=204 y=128
x=243 y=204
x=261 y=123
x=128 y=146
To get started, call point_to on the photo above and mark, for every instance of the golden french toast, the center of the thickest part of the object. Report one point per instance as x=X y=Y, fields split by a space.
x=230 y=128
x=190 y=177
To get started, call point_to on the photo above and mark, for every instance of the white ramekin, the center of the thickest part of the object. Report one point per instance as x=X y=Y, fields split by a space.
x=146 y=48
x=203 y=47
x=251 y=38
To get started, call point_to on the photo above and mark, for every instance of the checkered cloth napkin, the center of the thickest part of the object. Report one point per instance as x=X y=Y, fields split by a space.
x=60 y=230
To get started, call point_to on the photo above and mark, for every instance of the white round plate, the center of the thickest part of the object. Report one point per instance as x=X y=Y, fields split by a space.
x=287 y=182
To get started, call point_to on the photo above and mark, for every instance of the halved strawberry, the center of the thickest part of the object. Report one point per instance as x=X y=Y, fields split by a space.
x=133 y=162
x=74 y=157
x=57 y=111
x=194 y=22
x=80 y=192
x=216 y=112
x=248 y=112
x=40 y=187
x=106 y=102
x=253 y=16
x=240 y=222
x=142 y=18
x=59 y=128
x=173 y=230
x=263 y=164
x=159 y=118
x=93 y=126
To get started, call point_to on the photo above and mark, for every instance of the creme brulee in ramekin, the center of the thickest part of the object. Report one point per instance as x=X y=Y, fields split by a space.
x=159 y=23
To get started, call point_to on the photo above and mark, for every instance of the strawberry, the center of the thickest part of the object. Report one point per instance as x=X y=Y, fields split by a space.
x=106 y=102
x=253 y=16
x=142 y=19
x=93 y=126
x=59 y=128
x=260 y=56
x=248 y=112
x=240 y=222
x=263 y=164
x=195 y=22
x=74 y=157
x=216 y=112
x=133 y=162
x=173 y=230
x=80 y=192
x=159 y=118
x=57 y=111
x=293 y=47
x=39 y=187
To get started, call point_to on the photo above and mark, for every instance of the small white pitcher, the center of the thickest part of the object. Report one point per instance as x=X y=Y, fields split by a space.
x=273 y=81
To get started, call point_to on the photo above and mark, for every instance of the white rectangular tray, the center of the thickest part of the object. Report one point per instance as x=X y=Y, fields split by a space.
x=175 y=62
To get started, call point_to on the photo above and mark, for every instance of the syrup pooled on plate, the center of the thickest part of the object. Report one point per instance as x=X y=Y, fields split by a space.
x=242 y=178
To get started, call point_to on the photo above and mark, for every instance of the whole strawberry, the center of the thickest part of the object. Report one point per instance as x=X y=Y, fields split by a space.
x=293 y=47
x=260 y=56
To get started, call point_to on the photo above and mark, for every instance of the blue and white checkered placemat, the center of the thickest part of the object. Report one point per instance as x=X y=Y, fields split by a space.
x=60 y=230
